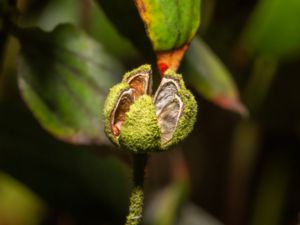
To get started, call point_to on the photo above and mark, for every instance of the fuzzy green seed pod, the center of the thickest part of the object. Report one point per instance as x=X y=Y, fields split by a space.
x=188 y=116
x=140 y=132
x=137 y=122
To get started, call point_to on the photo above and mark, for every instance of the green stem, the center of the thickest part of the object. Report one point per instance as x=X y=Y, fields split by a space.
x=137 y=194
x=264 y=70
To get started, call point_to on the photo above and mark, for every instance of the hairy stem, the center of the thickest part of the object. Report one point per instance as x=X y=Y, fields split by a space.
x=137 y=194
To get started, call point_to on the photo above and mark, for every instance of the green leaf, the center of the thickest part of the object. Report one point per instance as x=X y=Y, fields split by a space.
x=171 y=28
x=170 y=24
x=208 y=75
x=64 y=77
x=273 y=28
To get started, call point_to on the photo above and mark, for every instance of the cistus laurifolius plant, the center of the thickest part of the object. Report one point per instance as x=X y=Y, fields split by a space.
x=64 y=75
x=141 y=122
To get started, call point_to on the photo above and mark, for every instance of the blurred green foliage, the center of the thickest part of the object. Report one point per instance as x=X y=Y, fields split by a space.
x=18 y=205
x=208 y=75
x=273 y=28
x=66 y=97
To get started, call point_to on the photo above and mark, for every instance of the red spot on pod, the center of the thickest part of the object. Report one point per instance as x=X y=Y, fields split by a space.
x=162 y=68
x=116 y=131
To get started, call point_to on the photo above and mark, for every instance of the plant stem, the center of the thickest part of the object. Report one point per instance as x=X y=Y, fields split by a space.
x=137 y=194
x=264 y=70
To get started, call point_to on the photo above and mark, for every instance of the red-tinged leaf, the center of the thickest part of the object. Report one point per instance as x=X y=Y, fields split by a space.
x=208 y=75
x=170 y=26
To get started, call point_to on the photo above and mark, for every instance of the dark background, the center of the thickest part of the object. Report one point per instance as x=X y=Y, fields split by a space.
x=239 y=170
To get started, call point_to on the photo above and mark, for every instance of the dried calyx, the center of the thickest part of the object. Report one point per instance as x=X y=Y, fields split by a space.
x=138 y=122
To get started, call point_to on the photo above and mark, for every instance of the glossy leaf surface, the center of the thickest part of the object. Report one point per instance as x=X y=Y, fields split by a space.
x=64 y=77
x=170 y=24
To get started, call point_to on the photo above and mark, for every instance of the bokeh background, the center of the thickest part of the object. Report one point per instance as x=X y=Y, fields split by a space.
x=233 y=169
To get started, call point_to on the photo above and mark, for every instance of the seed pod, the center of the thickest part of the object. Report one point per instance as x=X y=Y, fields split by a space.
x=139 y=123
